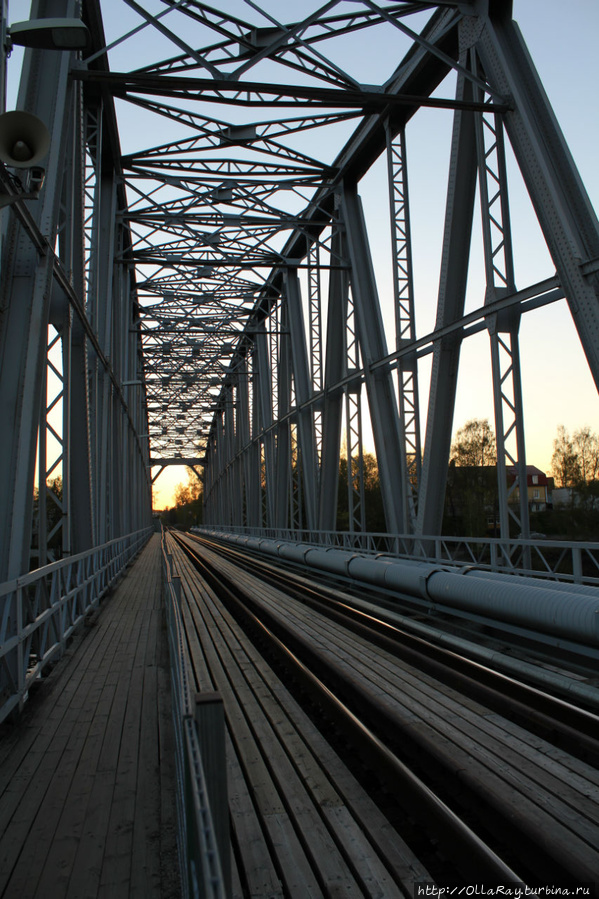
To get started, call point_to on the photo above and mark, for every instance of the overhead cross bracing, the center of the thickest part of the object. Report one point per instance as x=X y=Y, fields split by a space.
x=228 y=307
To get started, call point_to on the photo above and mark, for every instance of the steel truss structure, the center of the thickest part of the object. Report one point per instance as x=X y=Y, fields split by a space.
x=199 y=287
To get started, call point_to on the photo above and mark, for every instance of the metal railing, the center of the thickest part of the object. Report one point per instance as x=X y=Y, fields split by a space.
x=41 y=610
x=202 y=809
x=568 y=561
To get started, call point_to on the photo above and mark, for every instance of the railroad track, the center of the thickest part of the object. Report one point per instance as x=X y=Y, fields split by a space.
x=573 y=726
x=493 y=800
x=557 y=669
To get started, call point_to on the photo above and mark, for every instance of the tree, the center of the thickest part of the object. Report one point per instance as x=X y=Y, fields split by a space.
x=472 y=495
x=575 y=465
x=188 y=497
x=475 y=444
x=374 y=512
x=565 y=464
x=586 y=446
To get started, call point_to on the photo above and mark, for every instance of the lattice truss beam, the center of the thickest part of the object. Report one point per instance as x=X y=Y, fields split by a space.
x=74 y=457
x=267 y=350
x=269 y=339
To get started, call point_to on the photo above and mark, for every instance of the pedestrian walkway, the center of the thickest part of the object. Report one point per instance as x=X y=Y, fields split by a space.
x=87 y=778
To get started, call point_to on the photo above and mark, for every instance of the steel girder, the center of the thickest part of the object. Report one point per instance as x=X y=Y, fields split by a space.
x=27 y=277
x=68 y=344
x=219 y=223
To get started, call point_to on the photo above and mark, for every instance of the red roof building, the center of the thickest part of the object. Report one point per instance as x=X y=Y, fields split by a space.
x=539 y=487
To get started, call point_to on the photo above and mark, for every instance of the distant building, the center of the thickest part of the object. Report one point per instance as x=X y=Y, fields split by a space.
x=563 y=496
x=571 y=498
x=539 y=488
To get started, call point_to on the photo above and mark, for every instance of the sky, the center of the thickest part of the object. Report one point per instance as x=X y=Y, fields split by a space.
x=558 y=388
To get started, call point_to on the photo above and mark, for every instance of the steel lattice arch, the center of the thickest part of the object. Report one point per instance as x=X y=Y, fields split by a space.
x=195 y=281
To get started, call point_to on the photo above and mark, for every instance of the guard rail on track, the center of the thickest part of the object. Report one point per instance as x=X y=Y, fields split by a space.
x=40 y=611
x=201 y=774
x=570 y=561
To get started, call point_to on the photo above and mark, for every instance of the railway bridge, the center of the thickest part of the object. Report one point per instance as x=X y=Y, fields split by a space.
x=287 y=247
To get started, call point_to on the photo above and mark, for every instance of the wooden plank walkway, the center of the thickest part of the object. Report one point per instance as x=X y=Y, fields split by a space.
x=301 y=825
x=87 y=779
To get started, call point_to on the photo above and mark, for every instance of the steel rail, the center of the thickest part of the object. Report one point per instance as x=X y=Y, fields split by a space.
x=539 y=857
x=368 y=713
x=472 y=855
x=567 y=725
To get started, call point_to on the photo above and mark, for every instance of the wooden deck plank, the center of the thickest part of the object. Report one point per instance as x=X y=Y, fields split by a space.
x=497 y=764
x=294 y=867
x=257 y=866
x=146 y=823
x=492 y=757
x=88 y=773
x=345 y=858
x=166 y=811
x=482 y=735
x=332 y=835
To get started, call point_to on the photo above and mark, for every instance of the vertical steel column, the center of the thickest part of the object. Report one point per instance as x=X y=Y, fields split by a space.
x=243 y=441
x=353 y=426
x=335 y=372
x=561 y=203
x=373 y=346
x=307 y=456
x=101 y=300
x=213 y=493
x=450 y=307
x=42 y=495
x=209 y=469
x=236 y=472
x=263 y=410
x=315 y=319
x=503 y=328
x=231 y=498
x=294 y=479
x=405 y=326
x=251 y=458
x=77 y=471
x=219 y=488
x=25 y=301
x=116 y=491
x=284 y=459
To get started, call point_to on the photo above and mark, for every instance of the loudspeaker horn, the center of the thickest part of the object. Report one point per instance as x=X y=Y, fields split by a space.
x=24 y=139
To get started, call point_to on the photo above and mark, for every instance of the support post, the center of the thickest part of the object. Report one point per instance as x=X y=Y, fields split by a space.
x=25 y=300
x=450 y=307
x=210 y=721
x=373 y=347
x=335 y=372
x=303 y=396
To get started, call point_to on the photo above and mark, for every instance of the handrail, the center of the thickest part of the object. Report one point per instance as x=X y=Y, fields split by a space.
x=559 y=560
x=203 y=859
x=41 y=610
